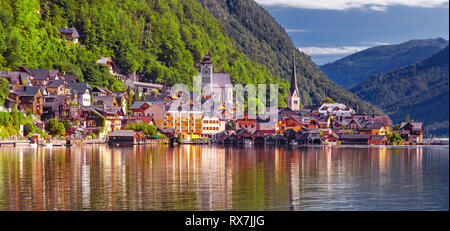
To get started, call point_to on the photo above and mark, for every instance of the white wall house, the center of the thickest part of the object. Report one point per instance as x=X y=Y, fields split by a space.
x=335 y=109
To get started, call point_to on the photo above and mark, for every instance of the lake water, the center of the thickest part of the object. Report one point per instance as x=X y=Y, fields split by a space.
x=96 y=177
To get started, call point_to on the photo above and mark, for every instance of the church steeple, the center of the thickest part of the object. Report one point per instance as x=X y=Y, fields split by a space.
x=294 y=93
x=294 y=77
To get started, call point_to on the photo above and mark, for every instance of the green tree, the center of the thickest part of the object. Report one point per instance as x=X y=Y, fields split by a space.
x=327 y=100
x=55 y=128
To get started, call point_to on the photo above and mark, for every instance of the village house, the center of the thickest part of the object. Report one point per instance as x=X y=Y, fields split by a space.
x=41 y=77
x=109 y=63
x=56 y=87
x=80 y=93
x=100 y=91
x=29 y=98
x=246 y=123
x=212 y=125
x=335 y=109
x=15 y=79
x=414 y=131
x=107 y=101
x=291 y=122
x=69 y=34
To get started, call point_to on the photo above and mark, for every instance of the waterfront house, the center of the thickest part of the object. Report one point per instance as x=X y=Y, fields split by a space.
x=124 y=138
x=361 y=139
x=291 y=122
x=415 y=130
x=259 y=137
x=375 y=129
x=379 y=139
x=212 y=125
x=246 y=123
x=244 y=136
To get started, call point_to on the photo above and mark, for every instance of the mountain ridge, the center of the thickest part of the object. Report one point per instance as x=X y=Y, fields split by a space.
x=355 y=68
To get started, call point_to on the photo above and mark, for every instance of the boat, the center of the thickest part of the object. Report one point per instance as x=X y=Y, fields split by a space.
x=33 y=145
x=48 y=145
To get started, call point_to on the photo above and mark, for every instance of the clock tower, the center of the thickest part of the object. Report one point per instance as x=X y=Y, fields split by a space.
x=207 y=71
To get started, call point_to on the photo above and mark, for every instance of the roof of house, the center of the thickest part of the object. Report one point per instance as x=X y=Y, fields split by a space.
x=123 y=133
x=71 y=31
x=55 y=83
x=105 y=100
x=139 y=104
x=101 y=90
x=104 y=60
x=416 y=126
x=373 y=125
x=27 y=91
x=69 y=78
x=77 y=88
x=11 y=76
x=379 y=138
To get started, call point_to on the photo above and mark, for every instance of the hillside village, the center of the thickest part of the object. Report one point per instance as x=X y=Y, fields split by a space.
x=96 y=112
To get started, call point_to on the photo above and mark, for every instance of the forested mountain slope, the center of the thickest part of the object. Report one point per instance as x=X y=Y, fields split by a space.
x=419 y=90
x=354 y=69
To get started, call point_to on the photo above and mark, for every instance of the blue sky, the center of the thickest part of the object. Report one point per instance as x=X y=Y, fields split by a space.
x=331 y=29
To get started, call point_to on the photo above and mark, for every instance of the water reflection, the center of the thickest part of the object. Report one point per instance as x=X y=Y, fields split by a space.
x=218 y=178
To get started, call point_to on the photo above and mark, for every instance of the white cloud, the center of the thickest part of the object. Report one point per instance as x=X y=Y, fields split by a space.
x=374 y=5
x=331 y=50
x=296 y=30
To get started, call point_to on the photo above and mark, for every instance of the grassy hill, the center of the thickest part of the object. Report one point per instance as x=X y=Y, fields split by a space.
x=357 y=67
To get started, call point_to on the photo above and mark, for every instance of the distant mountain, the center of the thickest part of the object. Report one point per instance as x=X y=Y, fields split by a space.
x=357 y=67
x=420 y=90
x=257 y=34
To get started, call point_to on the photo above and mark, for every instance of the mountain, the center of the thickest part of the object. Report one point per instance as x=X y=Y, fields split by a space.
x=419 y=90
x=357 y=67
x=256 y=33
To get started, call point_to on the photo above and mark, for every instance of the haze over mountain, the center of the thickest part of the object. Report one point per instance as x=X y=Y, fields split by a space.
x=256 y=33
x=419 y=90
x=357 y=67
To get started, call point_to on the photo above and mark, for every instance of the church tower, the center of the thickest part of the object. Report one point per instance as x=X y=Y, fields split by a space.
x=294 y=94
x=206 y=71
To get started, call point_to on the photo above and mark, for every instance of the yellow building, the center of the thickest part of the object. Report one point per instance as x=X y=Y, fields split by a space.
x=186 y=123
